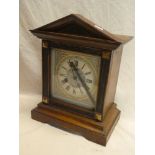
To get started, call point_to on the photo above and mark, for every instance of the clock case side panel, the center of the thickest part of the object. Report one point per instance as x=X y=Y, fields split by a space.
x=112 y=79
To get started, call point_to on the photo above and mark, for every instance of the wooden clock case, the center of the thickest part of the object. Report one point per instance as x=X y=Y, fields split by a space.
x=76 y=33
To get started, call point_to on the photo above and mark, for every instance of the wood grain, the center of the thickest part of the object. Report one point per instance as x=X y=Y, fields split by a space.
x=76 y=33
x=97 y=132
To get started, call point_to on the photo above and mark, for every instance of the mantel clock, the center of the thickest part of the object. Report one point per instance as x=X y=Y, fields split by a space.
x=80 y=66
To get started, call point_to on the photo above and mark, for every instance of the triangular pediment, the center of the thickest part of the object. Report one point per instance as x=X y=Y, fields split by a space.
x=77 y=25
x=74 y=28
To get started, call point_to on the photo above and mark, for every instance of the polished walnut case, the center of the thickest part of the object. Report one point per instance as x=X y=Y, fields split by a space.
x=76 y=33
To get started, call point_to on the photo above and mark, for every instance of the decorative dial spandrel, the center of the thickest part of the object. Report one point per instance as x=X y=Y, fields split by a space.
x=75 y=77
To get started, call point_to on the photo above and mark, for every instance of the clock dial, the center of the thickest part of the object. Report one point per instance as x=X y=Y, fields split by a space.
x=75 y=77
x=69 y=79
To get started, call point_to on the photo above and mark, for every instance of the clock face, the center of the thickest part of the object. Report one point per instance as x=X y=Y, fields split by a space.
x=75 y=77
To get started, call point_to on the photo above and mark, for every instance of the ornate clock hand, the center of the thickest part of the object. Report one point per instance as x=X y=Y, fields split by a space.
x=82 y=82
x=74 y=77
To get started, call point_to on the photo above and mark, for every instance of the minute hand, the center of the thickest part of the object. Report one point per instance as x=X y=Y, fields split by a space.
x=82 y=82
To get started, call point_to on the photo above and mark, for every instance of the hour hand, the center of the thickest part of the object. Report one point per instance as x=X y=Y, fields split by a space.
x=70 y=65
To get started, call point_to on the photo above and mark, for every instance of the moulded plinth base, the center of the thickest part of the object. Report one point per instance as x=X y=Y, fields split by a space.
x=98 y=132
